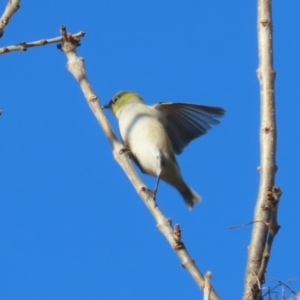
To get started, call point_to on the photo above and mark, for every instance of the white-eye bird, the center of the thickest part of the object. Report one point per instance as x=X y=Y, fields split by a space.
x=154 y=134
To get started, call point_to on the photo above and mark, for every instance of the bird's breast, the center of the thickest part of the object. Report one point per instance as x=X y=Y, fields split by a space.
x=144 y=134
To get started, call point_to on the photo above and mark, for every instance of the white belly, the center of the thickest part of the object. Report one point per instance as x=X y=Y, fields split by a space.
x=145 y=136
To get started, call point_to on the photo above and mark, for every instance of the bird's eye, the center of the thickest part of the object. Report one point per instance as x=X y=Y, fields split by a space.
x=114 y=100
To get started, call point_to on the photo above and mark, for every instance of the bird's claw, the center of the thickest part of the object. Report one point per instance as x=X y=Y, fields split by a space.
x=124 y=150
x=127 y=151
x=150 y=193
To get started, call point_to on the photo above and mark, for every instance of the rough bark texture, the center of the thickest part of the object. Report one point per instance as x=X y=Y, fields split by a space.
x=265 y=217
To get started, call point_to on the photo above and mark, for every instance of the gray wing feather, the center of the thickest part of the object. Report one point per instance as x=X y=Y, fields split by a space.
x=185 y=122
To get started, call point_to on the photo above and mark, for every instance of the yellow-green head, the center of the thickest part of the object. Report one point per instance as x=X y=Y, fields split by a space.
x=122 y=98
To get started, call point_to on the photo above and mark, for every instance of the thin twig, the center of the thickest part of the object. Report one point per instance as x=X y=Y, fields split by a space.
x=280 y=283
x=257 y=257
x=11 y=7
x=76 y=67
x=241 y=225
x=24 y=46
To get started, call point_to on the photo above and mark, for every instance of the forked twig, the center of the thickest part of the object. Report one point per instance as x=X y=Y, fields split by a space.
x=24 y=46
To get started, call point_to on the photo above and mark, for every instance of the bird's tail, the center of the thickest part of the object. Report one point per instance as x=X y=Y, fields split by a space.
x=190 y=197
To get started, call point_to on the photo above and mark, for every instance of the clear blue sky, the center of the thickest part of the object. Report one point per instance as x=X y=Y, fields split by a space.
x=71 y=224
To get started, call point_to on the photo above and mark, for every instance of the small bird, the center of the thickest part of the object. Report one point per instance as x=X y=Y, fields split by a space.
x=154 y=134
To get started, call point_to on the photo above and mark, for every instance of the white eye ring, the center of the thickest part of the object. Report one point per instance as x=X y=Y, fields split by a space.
x=115 y=99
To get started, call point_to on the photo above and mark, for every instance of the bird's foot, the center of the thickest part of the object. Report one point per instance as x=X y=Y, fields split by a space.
x=127 y=151
x=124 y=150
x=150 y=193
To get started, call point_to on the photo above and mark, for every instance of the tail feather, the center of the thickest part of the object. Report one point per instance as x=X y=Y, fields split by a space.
x=190 y=196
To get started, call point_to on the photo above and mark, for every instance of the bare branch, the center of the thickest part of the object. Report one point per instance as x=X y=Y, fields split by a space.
x=11 y=7
x=265 y=212
x=76 y=66
x=24 y=46
x=207 y=286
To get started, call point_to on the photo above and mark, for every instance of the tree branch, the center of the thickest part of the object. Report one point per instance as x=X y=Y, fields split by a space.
x=24 y=46
x=265 y=217
x=207 y=286
x=76 y=66
x=11 y=7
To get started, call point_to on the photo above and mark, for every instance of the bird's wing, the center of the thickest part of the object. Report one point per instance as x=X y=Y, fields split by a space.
x=185 y=122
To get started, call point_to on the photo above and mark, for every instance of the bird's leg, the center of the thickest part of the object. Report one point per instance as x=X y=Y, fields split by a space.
x=150 y=193
x=159 y=161
x=156 y=188
x=153 y=193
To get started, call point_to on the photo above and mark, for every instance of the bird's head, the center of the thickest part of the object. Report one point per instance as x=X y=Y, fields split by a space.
x=122 y=98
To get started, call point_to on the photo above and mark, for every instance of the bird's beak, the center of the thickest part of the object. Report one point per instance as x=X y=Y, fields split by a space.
x=106 y=106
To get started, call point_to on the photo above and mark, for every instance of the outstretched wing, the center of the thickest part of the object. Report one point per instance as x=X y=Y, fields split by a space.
x=185 y=122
